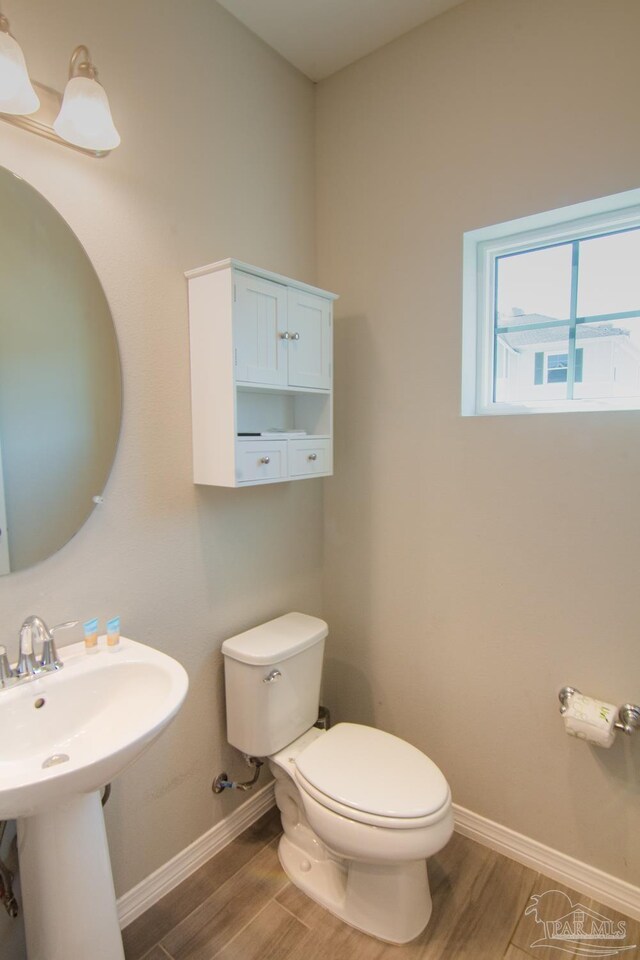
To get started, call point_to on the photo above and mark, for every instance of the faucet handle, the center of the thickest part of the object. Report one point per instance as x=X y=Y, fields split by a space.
x=7 y=674
x=64 y=626
x=49 y=659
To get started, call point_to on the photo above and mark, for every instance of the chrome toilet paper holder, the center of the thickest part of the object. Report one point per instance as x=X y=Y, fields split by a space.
x=628 y=714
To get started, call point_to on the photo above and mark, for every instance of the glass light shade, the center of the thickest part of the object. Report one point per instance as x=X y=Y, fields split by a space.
x=85 y=117
x=17 y=96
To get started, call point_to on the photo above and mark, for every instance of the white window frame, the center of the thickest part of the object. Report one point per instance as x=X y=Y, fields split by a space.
x=481 y=248
x=547 y=368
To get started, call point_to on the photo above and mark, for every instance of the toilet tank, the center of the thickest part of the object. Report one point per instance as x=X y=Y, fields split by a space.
x=272 y=681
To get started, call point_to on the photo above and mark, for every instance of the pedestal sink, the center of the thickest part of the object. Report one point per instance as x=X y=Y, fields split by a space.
x=65 y=735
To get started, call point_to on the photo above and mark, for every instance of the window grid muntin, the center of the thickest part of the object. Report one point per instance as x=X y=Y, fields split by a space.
x=575 y=268
x=573 y=320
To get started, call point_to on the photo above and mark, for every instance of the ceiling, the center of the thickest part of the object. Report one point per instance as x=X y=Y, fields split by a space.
x=322 y=36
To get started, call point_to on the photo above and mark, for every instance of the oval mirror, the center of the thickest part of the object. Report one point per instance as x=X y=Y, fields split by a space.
x=60 y=379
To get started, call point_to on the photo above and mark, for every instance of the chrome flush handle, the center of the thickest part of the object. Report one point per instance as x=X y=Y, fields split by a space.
x=272 y=677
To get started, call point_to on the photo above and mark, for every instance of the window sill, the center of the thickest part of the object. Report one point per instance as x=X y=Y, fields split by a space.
x=572 y=406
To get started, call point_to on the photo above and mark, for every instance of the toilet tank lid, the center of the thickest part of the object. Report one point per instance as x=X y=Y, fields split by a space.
x=276 y=640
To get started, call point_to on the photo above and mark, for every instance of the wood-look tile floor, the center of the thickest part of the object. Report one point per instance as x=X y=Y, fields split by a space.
x=240 y=906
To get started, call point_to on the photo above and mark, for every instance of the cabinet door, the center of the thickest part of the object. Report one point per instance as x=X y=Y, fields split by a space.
x=259 y=320
x=309 y=324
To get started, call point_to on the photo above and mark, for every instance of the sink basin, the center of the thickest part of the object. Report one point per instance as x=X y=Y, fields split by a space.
x=67 y=734
x=100 y=712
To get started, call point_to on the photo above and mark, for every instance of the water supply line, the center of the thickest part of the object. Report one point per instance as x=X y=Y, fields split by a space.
x=7 y=896
x=222 y=781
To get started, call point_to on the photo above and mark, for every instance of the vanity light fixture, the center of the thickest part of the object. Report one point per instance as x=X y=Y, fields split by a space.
x=17 y=96
x=85 y=116
x=80 y=120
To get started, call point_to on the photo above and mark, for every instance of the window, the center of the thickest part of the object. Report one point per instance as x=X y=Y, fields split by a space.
x=552 y=311
x=557 y=367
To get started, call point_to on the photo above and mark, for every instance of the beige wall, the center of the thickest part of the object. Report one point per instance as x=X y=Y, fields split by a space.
x=216 y=160
x=474 y=566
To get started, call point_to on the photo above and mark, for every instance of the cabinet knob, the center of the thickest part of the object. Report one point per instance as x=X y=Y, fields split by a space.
x=284 y=336
x=265 y=459
x=294 y=336
x=312 y=456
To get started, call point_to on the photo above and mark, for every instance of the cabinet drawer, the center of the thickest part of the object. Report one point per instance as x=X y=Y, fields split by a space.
x=261 y=460
x=307 y=457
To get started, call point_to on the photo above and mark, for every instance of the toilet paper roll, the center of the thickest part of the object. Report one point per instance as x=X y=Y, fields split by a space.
x=591 y=720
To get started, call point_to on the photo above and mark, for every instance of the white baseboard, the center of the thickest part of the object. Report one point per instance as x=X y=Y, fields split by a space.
x=134 y=903
x=606 y=889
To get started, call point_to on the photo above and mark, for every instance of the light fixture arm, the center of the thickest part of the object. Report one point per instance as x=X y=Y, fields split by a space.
x=80 y=64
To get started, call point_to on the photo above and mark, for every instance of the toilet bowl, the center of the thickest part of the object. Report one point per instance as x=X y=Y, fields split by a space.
x=348 y=843
x=361 y=809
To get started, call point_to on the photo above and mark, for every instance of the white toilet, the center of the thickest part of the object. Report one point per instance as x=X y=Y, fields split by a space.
x=361 y=809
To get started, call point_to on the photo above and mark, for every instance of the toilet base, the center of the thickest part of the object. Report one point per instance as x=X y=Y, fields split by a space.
x=391 y=902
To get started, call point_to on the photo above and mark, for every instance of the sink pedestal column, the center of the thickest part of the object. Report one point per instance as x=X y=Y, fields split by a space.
x=67 y=887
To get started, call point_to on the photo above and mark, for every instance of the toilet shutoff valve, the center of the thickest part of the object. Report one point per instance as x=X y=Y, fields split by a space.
x=222 y=781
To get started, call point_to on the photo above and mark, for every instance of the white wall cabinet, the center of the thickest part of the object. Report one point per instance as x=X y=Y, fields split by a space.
x=261 y=363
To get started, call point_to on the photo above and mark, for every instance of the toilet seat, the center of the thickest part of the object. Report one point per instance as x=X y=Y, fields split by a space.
x=372 y=777
x=361 y=816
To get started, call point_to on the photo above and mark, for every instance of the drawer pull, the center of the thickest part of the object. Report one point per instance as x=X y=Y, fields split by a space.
x=312 y=456
x=295 y=336
x=284 y=336
x=265 y=460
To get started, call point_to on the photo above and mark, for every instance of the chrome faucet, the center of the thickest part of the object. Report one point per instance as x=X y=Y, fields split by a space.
x=7 y=673
x=31 y=629
x=28 y=666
